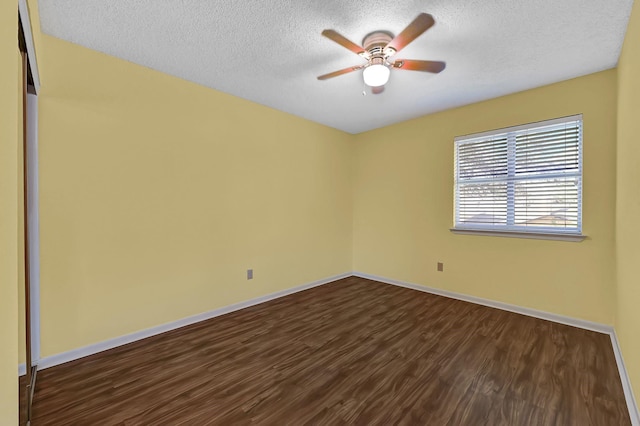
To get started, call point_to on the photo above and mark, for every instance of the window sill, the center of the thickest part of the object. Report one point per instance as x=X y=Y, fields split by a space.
x=576 y=238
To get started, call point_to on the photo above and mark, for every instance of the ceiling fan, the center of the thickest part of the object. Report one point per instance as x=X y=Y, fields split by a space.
x=379 y=47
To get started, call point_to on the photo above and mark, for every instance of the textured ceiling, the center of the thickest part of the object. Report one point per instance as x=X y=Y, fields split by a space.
x=271 y=52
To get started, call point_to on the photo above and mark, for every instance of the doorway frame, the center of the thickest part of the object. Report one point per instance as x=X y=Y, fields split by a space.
x=30 y=88
x=33 y=212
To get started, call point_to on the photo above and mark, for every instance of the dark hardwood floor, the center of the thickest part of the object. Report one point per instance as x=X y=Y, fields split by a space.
x=350 y=352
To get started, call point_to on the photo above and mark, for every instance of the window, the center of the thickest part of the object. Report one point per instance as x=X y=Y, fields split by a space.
x=523 y=180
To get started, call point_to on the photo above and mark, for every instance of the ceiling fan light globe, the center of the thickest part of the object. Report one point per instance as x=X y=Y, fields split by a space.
x=376 y=75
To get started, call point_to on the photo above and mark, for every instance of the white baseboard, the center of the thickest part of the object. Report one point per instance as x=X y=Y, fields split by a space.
x=634 y=412
x=74 y=354
x=588 y=325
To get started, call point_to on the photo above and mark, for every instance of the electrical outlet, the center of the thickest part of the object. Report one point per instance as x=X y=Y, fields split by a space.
x=249 y=274
x=440 y=266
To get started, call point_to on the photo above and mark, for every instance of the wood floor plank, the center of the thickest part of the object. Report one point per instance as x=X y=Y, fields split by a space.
x=351 y=352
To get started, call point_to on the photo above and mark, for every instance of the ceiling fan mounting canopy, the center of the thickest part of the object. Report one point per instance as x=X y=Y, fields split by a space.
x=379 y=46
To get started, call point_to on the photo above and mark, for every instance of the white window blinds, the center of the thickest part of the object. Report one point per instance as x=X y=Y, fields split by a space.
x=523 y=179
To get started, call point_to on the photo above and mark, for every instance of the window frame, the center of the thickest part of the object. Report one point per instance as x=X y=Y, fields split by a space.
x=512 y=230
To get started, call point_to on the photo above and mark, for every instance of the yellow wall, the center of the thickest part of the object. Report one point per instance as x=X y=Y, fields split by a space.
x=157 y=194
x=9 y=87
x=628 y=201
x=403 y=206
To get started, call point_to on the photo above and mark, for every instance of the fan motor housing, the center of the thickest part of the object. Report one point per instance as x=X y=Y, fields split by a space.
x=375 y=42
